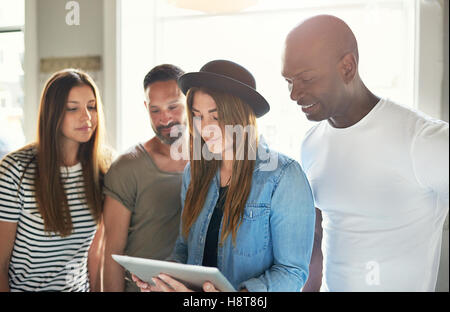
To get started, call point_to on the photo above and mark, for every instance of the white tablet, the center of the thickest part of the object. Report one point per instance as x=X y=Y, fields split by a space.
x=192 y=276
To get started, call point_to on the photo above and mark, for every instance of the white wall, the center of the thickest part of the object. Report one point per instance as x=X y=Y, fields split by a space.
x=57 y=39
x=49 y=36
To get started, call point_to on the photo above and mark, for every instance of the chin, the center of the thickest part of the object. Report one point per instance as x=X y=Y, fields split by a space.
x=315 y=117
x=84 y=140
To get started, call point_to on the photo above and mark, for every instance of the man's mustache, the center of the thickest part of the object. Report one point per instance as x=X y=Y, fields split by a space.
x=168 y=126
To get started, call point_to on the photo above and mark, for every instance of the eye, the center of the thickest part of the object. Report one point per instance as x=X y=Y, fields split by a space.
x=289 y=85
x=71 y=109
x=154 y=111
x=92 y=107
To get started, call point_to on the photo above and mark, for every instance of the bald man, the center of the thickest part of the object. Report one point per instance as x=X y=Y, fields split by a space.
x=378 y=170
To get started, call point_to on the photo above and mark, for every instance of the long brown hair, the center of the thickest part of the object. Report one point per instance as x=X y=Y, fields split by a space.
x=50 y=196
x=231 y=111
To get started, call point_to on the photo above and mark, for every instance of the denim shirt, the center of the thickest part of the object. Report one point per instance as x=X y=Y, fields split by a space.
x=274 y=242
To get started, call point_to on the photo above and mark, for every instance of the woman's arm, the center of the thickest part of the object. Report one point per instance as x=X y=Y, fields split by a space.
x=95 y=259
x=292 y=220
x=7 y=238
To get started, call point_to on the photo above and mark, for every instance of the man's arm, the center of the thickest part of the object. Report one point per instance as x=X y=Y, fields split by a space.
x=117 y=220
x=315 y=267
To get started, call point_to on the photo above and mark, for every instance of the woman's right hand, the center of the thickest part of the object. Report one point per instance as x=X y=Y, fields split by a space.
x=144 y=286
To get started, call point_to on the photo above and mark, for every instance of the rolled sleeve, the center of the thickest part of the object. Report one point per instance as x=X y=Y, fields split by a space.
x=121 y=185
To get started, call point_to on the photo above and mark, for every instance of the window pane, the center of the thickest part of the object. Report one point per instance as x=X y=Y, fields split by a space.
x=11 y=91
x=255 y=39
x=12 y=13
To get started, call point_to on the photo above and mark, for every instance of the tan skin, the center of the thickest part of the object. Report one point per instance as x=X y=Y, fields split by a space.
x=79 y=123
x=320 y=64
x=205 y=109
x=165 y=104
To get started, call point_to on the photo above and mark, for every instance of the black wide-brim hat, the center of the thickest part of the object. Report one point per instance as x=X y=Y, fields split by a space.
x=228 y=77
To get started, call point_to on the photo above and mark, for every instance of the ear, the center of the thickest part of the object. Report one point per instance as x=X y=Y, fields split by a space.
x=348 y=67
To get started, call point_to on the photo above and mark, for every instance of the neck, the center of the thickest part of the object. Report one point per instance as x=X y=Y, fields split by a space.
x=358 y=105
x=70 y=151
x=160 y=147
x=157 y=146
x=227 y=165
x=226 y=170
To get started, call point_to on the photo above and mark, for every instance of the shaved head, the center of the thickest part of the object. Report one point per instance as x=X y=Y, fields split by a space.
x=325 y=35
x=320 y=64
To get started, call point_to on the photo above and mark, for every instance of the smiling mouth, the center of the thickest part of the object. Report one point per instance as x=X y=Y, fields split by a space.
x=166 y=130
x=307 y=109
x=308 y=106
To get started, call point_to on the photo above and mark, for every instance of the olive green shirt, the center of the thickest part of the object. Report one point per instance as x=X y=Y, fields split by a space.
x=153 y=197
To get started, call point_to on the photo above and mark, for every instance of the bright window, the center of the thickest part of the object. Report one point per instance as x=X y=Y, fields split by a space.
x=11 y=75
x=254 y=38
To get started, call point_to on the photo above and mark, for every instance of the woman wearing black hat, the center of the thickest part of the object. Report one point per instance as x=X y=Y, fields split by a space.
x=247 y=210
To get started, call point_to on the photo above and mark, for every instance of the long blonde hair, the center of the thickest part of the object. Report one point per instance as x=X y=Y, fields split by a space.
x=50 y=196
x=231 y=111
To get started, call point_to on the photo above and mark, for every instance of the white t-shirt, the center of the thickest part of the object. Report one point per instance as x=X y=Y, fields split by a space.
x=382 y=187
x=43 y=261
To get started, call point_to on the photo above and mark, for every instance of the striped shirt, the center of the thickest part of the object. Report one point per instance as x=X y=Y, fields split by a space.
x=42 y=261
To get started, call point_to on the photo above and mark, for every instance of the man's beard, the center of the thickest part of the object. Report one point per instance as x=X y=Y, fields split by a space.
x=167 y=139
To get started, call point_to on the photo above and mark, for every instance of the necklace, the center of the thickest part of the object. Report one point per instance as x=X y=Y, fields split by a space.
x=228 y=182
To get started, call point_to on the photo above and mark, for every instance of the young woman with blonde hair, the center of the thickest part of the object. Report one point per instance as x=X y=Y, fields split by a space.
x=51 y=193
x=247 y=210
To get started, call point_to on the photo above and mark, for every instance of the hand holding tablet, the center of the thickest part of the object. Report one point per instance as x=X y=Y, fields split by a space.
x=192 y=276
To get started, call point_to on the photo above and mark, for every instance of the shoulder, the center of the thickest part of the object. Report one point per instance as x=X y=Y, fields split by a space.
x=313 y=130
x=20 y=159
x=310 y=137
x=128 y=160
x=423 y=133
x=413 y=119
x=273 y=165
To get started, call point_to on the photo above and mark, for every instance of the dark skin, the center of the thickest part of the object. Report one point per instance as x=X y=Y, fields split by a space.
x=320 y=64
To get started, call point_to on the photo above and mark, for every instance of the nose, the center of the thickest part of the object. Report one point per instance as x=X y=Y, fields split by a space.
x=211 y=131
x=297 y=91
x=165 y=118
x=86 y=114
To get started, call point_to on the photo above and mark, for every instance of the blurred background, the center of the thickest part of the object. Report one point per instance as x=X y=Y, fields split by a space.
x=403 y=47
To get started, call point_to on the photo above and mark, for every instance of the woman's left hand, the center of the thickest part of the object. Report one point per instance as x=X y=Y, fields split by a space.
x=166 y=283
